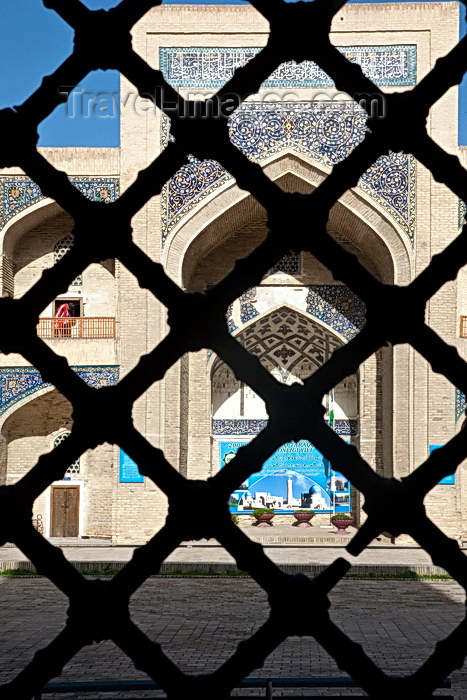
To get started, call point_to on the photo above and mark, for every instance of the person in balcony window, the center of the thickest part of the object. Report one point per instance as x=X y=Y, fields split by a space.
x=62 y=324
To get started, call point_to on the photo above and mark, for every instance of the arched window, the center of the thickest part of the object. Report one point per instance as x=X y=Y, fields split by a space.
x=61 y=248
x=74 y=468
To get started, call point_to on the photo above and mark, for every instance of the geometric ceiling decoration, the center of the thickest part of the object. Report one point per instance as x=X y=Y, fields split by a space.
x=288 y=340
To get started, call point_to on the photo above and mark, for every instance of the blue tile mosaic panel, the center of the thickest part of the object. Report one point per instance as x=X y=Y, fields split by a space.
x=212 y=67
x=327 y=132
x=461 y=404
x=231 y=327
x=247 y=309
x=248 y=426
x=391 y=182
x=338 y=307
x=16 y=383
x=18 y=192
x=191 y=183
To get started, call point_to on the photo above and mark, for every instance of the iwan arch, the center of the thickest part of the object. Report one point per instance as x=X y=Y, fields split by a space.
x=393 y=410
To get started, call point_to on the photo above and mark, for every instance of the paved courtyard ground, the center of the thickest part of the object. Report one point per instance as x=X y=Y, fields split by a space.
x=200 y=621
x=198 y=555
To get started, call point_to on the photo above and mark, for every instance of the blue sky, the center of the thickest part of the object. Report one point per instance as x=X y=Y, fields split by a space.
x=34 y=41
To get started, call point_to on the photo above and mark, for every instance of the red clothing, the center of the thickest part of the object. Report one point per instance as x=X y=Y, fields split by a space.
x=62 y=326
x=63 y=311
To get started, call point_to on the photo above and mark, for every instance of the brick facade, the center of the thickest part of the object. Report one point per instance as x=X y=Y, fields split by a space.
x=402 y=406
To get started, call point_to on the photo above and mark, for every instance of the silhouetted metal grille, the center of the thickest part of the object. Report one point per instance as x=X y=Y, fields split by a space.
x=99 y=610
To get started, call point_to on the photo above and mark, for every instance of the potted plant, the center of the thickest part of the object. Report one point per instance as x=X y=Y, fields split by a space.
x=342 y=521
x=235 y=519
x=263 y=516
x=303 y=517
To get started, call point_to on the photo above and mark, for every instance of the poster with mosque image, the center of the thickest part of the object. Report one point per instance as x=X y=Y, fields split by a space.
x=295 y=477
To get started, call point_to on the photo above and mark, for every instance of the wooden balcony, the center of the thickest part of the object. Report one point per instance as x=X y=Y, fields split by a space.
x=76 y=327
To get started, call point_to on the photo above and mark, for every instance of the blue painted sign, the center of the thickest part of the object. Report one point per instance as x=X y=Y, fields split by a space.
x=129 y=472
x=449 y=480
x=296 y=477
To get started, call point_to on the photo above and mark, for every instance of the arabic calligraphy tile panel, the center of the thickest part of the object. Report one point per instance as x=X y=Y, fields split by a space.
x=326 y=132
x=239 y=427
x=18 y=192
x=338 y=307
x=212 y=67
x=229 y=426
x=18 y=382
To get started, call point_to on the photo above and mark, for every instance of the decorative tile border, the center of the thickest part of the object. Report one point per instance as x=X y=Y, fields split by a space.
x=338 y=307
x=18 y=192
x=461 y=213
x=18 y=382
x=327 y=132
x=207 y=67
x=461 y=404
x=244 y=426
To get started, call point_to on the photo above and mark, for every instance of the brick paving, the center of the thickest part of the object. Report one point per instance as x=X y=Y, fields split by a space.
x=200 y=621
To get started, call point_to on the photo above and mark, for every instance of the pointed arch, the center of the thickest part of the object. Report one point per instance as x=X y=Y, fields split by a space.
x=356 y=217
x=24 y=399
x=25 y=220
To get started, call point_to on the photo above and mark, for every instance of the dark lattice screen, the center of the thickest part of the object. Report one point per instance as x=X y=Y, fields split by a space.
x=99 y=610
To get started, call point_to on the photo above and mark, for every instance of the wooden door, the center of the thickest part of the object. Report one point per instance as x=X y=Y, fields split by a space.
x=65 y=511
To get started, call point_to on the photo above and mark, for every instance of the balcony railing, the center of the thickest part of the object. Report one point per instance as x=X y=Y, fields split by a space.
x=76 y=327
